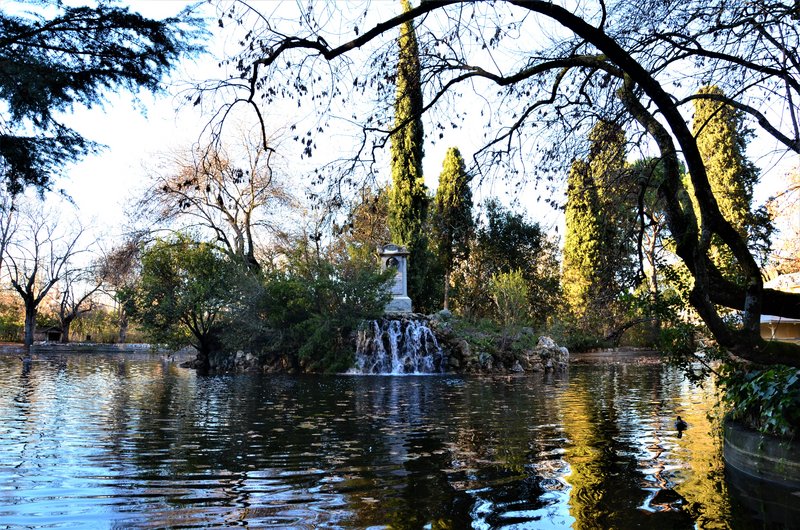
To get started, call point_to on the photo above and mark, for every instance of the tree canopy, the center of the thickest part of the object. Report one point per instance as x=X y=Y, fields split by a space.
x=638 y=65
x=184 y=294
x=233 y=195
x=53 y=59
x=599 y=212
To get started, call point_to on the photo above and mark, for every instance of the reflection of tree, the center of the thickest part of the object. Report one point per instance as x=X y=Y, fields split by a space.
x=602 y=428
x=399 y=452
x=404 y=423
x=701 y=479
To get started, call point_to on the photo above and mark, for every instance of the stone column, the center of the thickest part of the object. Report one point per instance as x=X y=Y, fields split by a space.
x=396 y=257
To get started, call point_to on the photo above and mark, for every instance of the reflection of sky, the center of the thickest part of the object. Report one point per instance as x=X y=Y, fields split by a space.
x=95 y=441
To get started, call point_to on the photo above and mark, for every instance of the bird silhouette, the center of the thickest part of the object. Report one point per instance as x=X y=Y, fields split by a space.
x=680 y=425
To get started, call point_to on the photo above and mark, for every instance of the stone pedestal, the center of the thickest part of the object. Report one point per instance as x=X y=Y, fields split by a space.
x=396 y=257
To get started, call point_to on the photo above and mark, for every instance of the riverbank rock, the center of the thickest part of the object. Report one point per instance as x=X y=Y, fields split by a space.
x=245 y=362
x=470 y=349
x=547 y=355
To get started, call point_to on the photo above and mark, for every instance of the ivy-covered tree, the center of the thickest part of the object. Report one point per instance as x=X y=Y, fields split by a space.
x=408 y=196
x=53 y=57
x=184 y=292
x=452 y=220
x=651 y=240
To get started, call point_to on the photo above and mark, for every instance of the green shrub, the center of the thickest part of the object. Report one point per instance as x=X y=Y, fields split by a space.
x=766 y=399
x=309 y=312
x=509 y=292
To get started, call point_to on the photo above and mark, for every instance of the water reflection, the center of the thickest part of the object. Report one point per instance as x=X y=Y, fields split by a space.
x=135 y=442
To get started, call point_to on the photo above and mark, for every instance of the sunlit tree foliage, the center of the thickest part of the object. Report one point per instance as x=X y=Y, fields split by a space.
x=452 y=219
x=637 y=64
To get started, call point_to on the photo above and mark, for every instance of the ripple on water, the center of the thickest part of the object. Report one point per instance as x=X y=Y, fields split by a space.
x=106 y=441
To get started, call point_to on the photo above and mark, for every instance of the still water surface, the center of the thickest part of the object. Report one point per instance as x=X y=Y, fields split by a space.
x=132 y=441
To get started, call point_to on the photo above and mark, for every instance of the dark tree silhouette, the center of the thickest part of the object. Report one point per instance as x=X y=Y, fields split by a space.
x=52 y=59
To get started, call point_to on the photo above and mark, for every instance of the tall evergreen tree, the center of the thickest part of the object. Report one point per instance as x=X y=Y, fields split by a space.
x=598 y=252
x=453 y=218
x=408 y=197
x=54 y=56
x=722 y=142
x=616 y=217
x=582 y=250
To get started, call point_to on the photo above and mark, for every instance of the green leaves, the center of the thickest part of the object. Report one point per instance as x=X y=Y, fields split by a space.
x=73 y=55
x=184 y=293
x=597 y=249
x=408 y=196
x=510 y=294
x=317 y=306
x=766 y=399
x=452 y=220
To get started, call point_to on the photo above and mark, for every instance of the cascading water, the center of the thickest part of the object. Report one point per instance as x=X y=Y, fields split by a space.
x=398 y=346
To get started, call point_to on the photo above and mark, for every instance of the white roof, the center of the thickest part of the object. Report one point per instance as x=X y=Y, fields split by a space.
x=772 y=319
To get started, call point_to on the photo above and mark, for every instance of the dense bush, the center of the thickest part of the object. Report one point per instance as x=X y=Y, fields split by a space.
x=510 y=294
x=765 y=399
x=184 y=295
x=506 y=241
x=304 y=314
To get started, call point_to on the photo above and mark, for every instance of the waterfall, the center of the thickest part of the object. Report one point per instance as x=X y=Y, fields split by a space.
x=395 y=346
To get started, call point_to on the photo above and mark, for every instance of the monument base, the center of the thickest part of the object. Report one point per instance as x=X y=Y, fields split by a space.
x=398 y=304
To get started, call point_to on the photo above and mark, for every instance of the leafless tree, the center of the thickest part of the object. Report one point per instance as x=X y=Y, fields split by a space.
x=232 y=194
x=785 y=209
x=73 y=295
x=119 y=269
x=37 y=257
x=8 y=222
x=542 y=74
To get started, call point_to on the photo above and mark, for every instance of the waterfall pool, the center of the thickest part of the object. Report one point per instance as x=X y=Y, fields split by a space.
x=134 y=441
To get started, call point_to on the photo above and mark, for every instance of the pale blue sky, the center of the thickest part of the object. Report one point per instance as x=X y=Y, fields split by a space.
x=104 y=184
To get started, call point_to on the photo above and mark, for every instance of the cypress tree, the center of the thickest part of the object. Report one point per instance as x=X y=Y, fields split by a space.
x=453 y=216
x=722 y=141
x=597 y=248
x=408 y=196
x=582 y=251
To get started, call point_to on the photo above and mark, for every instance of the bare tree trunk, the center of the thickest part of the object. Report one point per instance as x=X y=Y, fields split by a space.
x=65 y=331
x=30 y=326
x=123 y=328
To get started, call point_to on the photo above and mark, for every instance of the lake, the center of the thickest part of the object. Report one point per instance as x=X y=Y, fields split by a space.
x=134 y=441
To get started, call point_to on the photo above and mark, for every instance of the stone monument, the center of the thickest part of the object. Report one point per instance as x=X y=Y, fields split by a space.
x=396 y=257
